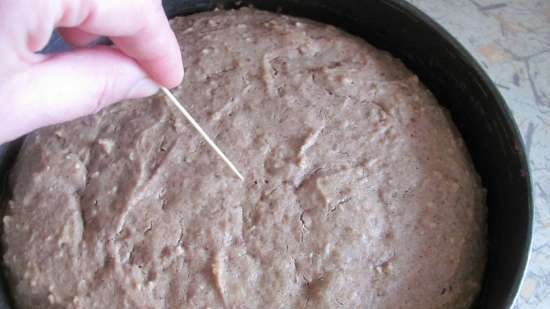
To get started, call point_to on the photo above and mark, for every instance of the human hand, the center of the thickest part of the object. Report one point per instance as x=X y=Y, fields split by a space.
x=38 y=90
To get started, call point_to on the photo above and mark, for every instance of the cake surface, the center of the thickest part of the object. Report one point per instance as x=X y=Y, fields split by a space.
x=358 y=191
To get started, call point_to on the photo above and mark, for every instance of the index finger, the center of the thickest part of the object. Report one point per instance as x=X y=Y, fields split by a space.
x=139 y=28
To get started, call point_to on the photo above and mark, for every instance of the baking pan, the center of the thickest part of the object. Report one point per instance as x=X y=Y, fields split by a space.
x=459 y=83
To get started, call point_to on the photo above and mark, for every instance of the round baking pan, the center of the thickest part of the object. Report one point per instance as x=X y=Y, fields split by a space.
x=459 y=83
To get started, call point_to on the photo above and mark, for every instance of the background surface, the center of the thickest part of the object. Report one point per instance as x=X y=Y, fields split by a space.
x=511 y=40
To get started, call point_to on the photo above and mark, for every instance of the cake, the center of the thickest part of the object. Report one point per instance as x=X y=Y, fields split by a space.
x=359 y=191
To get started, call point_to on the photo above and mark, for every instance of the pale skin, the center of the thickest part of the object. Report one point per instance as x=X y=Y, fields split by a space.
x=39 y=90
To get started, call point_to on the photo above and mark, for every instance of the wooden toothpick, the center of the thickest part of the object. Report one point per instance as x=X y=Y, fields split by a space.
x=174 y=100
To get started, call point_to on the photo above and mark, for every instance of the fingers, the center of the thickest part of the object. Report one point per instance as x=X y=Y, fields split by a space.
x=141 y=30
x=77 y=37
x=157 y=51
x=40 y=90
x=138 y=27
x=67 y=86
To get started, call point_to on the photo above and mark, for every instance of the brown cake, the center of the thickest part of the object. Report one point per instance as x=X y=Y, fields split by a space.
x=358 y=191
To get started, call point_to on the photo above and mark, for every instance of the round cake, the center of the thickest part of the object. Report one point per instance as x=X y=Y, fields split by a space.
x=358 y=192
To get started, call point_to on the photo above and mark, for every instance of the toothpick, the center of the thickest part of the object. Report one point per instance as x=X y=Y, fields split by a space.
x=174 y=100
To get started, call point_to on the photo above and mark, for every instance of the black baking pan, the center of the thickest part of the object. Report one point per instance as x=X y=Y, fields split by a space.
x=459 y=83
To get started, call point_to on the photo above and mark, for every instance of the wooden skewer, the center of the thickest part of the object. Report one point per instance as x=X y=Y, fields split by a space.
x=174 y=100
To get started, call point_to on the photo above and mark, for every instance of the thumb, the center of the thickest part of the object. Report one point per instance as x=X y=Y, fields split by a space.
x=69 y=85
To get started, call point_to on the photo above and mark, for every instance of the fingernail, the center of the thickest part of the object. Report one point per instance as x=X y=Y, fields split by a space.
x=143 y=88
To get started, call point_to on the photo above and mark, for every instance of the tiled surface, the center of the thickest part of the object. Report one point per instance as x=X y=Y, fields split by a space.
x=511 y=39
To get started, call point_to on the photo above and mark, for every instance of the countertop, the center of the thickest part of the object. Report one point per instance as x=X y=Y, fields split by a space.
x=511 y=40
